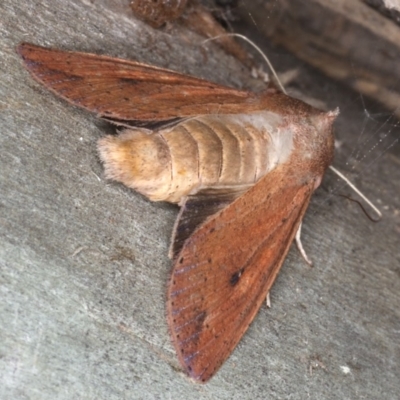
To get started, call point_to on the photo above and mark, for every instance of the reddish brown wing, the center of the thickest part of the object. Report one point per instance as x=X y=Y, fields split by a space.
x=126 y=90
x=226 y=268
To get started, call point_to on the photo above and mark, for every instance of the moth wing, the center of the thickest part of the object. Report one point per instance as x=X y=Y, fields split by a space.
x=226 y=268
x=130 y=91
x=197 y=208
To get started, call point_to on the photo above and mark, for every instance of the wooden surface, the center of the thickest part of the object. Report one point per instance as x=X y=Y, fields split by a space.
x=346 y=39
x=388 y=8
x=84 y=265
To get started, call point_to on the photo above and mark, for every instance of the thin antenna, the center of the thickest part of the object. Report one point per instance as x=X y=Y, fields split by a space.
x=369 y=202
x=238 y=35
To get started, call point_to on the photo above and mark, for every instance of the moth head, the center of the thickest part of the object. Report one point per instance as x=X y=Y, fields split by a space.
x=314 y=142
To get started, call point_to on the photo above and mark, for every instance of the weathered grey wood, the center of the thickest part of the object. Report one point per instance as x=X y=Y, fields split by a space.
x=84 y=264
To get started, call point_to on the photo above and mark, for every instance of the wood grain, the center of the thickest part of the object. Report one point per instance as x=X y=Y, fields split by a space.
x=346 y=39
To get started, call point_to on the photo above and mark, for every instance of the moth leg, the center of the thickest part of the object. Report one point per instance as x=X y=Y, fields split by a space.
x=268 y=300
x=300 y=246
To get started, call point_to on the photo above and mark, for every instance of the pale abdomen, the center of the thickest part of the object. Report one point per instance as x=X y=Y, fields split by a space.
x=202 y=152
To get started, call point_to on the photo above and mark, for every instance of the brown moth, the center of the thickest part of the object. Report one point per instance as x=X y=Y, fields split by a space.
x=241 y=165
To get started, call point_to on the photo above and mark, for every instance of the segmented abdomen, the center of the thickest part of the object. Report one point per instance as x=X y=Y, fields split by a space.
x=201 y=152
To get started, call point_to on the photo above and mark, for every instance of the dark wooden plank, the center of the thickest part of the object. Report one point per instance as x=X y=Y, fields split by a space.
x=346 y=39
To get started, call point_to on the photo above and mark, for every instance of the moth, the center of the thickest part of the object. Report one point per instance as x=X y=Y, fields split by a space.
x=241 y=165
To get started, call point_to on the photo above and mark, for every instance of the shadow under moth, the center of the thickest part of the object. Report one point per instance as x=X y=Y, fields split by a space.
x=241 y=165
